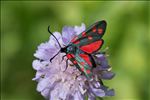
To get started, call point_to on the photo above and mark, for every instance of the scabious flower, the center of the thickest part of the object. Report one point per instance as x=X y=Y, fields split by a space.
x=56 y=82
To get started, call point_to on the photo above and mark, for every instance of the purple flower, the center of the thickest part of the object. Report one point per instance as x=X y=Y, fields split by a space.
x=56 y=82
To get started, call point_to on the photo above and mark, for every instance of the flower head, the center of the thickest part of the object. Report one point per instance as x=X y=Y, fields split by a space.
x=56 y=82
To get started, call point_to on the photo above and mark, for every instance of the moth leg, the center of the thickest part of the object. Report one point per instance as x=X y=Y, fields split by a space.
x=66 y=64
x=54 y=56
x=63 y=57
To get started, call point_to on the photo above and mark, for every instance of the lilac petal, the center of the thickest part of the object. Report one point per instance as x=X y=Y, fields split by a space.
x=45 y=51
x=70 y=70
x=103 y=63
x=110 y=92
x=45 y=93
x=41 y=69
x=60 y=92
x=64 y=90
x=102 y=67
x=63 y=95
x=69 y=97
x=67 y=34
x=79 y=29
x=78 y=96
x=54 y=95
x=107 y=75
x=38 y=65
x=102 y=60
x=97 y=91
x=91 y=96
x=81 y=78
x=101 y=57
x=38 y=76
x=82 y=90
x=42 y=84
x=54 y=91
x=97 y=84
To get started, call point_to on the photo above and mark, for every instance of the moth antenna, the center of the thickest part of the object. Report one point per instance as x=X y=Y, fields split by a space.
x=54 y=56
x=53 y=36
x=57 y=42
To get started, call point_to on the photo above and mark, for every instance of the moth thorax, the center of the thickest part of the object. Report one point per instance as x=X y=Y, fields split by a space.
x=71 y=49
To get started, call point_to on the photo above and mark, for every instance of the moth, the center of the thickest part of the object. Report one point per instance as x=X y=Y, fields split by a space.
x=81 y=49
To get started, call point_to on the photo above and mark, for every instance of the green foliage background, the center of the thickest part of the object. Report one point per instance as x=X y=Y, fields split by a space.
x=24 y=27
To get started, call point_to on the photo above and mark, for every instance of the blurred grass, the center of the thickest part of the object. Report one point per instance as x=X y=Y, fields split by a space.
x=24 y=27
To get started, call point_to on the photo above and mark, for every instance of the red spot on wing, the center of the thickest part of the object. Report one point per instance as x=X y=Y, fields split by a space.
x=82 y=63
x=86 y=58
x=90 y=37
x=83 y=34
x=94 y=29
x=100 y=31
x=82 y=69
x=92 y=47
x=76 y=42
x=75 y=62
x=88 y=71
x=74 y=39
x=73 y=55
x=69 y=56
